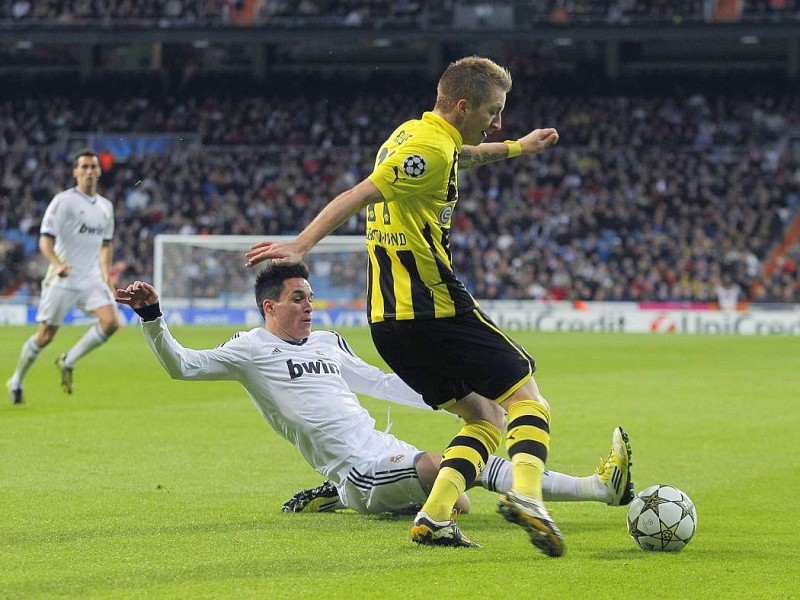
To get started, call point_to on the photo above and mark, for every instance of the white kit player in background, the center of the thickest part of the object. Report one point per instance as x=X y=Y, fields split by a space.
x=728 y=292
x=75 y=238
x=303 y=383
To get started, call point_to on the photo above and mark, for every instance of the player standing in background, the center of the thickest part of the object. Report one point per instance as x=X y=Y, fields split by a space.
x=303 y=384
x=424 y=322
x=75 y=238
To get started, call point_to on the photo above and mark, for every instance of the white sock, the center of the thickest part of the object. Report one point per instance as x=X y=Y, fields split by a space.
x=27 y=356
x=566 y=488
x=496 y=477
x=90 y=340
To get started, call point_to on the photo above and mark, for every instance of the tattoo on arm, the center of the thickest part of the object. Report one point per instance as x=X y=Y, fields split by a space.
x=475 y=156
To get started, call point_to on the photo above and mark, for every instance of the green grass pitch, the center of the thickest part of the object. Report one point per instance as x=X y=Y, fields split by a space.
x=138 y=486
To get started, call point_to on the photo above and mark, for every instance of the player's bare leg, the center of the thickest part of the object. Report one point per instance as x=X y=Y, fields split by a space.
x=107 y=323
x=28 y=354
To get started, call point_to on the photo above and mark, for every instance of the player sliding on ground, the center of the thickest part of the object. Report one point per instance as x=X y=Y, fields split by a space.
x=303 y=383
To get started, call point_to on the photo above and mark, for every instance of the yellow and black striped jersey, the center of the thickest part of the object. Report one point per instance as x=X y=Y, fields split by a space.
x=410 y=267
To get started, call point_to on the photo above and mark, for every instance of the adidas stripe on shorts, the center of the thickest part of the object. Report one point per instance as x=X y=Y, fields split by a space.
x=388 y=484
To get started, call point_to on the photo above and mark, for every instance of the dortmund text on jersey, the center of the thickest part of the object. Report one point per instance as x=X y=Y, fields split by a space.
x=410 y=267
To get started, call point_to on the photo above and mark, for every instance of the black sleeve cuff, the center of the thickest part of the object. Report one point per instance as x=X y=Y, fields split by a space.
x=149 y=313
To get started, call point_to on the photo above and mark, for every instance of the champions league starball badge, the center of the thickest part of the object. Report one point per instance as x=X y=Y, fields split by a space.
x=414 y=165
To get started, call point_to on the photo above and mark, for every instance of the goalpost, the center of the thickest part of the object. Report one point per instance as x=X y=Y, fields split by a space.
x=207 y=271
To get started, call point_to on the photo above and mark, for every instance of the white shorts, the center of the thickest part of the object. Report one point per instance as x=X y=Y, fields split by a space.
x=385 y=485
x=57 y=301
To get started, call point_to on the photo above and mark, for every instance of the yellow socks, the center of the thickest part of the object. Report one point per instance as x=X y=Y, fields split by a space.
x=462 y=464
x=528 y=442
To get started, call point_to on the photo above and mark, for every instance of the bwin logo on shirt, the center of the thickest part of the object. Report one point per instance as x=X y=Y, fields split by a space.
x=90 y=230
x=314 y=367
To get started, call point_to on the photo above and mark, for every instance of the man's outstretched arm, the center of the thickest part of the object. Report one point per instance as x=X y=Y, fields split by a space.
x=341 y=208
x=489 y=152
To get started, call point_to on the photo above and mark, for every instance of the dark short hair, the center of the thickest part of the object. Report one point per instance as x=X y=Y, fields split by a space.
x=84 y=152
x=269 y=283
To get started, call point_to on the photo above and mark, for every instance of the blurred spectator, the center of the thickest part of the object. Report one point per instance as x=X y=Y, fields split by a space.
x=728 y=292
x=106 y=160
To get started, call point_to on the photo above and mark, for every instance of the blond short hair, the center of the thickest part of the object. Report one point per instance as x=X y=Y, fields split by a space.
x=473 y=78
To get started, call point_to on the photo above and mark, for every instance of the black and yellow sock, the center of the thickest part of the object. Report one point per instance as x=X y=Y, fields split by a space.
x=528 y=442
x=462 y=462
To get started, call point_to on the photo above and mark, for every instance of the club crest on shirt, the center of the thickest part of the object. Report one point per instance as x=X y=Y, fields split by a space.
x=414 y=165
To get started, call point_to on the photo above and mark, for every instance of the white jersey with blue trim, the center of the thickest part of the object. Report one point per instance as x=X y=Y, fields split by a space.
x=304 y=391
x=80 y=225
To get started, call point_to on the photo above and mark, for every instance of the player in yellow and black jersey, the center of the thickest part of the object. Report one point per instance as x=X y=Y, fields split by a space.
x=424 y=322
x=410 y=271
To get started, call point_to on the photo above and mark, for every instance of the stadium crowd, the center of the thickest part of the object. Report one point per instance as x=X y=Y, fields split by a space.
x=73 y=12
x=673 y=11
x=369 y=12
x=647 y=197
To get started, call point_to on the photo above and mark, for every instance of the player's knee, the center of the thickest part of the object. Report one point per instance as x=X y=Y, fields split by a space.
x=44 y=336
x=477 y=408
x=493 y=413
x=109 y=327
x=497 y=415
x=529 y=391
x=462 y=504
x=507 y=404
x=427 y=467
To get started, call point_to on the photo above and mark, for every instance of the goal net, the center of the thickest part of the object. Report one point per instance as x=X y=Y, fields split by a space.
x=207 y=271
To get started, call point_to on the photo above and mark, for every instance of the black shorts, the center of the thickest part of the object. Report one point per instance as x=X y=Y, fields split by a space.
x=446 y=359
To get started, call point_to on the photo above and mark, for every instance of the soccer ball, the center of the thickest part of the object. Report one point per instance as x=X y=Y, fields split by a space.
x=662 y=518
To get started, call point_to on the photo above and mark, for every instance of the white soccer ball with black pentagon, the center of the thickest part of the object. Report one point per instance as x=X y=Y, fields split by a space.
x=662 y=518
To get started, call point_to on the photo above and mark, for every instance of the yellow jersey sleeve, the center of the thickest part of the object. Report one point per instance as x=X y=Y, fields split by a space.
x=411 y=169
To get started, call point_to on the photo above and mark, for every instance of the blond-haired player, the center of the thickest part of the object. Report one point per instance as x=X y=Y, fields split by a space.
x=424 y=322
